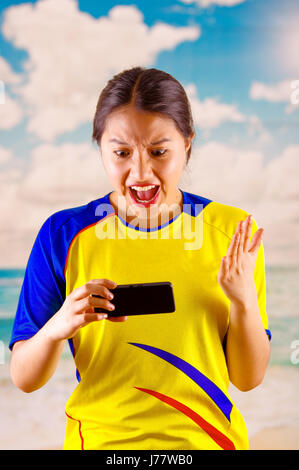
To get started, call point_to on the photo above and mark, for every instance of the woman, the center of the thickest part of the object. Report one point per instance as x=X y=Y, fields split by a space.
x=146 y=381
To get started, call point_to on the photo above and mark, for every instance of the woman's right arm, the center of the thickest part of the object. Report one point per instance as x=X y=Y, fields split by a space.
x=34 y=361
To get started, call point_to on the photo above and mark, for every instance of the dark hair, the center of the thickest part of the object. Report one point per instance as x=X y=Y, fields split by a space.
x=148 y=90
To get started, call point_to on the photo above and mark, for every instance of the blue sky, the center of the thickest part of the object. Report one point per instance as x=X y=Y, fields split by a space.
x=236 y=62
x=235 y=48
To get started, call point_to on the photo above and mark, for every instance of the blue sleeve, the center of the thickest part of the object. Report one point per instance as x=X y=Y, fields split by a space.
x=43 y=289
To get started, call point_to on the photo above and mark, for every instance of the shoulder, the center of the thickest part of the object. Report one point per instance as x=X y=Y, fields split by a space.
x=224 y=217
x=218 y=216
x=66 y=223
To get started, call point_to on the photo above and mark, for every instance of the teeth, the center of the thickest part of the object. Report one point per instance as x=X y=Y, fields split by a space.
x=143 y=201
x=143 y=188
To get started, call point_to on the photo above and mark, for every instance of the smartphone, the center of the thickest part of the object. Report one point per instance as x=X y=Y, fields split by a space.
x=141 y=299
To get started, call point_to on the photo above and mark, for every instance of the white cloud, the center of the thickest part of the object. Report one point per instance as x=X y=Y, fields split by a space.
x=242 y=174
x=207 y=3
x=5 y=155
x=283 y=177
x=280 y=92
x=210 y=113
x=275 y=93
x=240 y=178
x=10 y=113
x=257 y=130
x=63 y=82
x=60 y=93
x=227 y=174
x=70 y=175
x=58 y=177
x=6 y=73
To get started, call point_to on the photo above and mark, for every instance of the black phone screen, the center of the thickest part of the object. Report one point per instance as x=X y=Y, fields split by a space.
x=141 y=299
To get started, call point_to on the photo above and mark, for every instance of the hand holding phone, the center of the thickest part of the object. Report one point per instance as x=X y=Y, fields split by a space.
x=141 y=299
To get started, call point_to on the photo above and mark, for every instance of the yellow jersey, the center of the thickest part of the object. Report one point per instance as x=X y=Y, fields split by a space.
x=153 y=382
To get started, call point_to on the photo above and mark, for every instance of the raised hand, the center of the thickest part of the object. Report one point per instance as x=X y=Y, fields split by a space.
x=236 y=273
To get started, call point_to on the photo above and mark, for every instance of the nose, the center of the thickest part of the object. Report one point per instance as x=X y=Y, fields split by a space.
x=141 y=169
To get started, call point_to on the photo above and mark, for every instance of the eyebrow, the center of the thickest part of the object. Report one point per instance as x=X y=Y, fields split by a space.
x=117 y=141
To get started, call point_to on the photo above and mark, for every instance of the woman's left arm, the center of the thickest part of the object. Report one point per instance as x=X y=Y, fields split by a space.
x=247 y=344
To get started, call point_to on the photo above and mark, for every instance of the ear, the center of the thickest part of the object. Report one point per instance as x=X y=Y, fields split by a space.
x=188 y=141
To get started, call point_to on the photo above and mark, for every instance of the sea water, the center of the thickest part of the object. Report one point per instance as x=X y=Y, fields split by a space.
x=10 y=287
x=282 y=309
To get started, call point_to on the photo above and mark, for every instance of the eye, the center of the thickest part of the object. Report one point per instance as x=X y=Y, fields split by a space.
x=121 y=153
x=159 y=152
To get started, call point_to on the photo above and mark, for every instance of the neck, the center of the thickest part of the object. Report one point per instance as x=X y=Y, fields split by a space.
x=154 y=216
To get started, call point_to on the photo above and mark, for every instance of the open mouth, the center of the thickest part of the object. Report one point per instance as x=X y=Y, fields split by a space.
x=145 y=195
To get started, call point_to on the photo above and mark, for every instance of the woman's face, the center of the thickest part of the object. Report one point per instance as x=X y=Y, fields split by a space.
x=143 y=154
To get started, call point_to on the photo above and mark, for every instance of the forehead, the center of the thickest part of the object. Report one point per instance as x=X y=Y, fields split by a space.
x=130 y=122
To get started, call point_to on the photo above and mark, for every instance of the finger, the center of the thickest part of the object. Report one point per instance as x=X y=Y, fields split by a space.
x=241 y=240
x=86 y=318
x=247 y=233
x=96 y=317
x=97 y=286
x=236 y=246
x=106 y=282
x=256 y=241
x=100 y=303
x=116 y=319
x=224 y=266
x=93 y=304
x=101 y=291
x=231 y=248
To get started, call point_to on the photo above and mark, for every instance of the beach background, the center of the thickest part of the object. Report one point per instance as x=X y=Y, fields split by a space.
x=238 y=62
x=271 y=411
